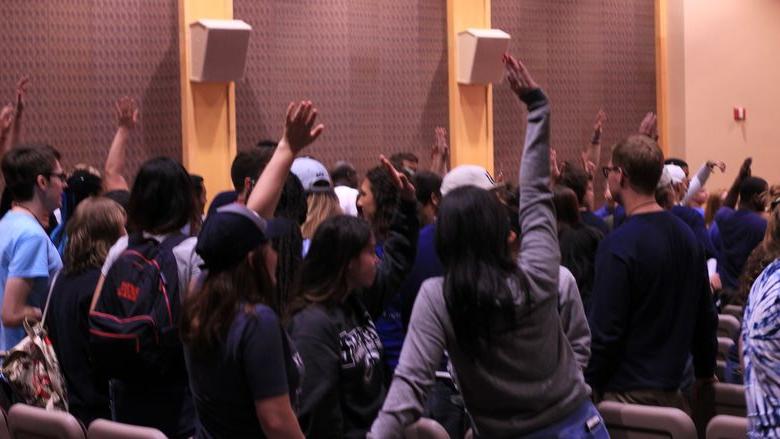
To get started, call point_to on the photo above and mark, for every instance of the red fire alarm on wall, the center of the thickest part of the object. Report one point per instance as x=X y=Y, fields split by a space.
x=739 y=113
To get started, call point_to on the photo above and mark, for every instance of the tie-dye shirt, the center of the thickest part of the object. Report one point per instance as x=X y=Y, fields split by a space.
x=761 y=349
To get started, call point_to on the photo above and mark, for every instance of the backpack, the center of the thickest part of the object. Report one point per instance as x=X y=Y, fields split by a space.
x=133 y=330
x=31 y=368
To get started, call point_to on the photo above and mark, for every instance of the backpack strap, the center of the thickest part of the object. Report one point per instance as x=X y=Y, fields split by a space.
x=48 y=299
x=172 y=241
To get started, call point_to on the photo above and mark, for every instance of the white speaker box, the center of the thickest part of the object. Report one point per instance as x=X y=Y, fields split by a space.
x=218 y=50
x=480 y=54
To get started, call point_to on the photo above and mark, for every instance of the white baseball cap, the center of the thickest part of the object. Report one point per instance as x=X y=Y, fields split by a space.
x=467 y=175
x=313 y=174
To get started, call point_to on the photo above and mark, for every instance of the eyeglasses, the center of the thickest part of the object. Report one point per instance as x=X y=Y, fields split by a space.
x=61 y=175
x=607 y=169
x=774 y=204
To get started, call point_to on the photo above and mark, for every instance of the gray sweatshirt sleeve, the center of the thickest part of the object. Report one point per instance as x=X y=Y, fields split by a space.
x=573 y=319
x=420 y=357
x=540 y=255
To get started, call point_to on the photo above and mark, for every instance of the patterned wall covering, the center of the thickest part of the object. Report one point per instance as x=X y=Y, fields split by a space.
x=376 y=69
x=587 y=54
x=83 y=54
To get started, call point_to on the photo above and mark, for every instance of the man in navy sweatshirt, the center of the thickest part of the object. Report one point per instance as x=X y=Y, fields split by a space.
x=651 y=303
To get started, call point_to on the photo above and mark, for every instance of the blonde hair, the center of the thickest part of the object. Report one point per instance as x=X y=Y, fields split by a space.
x=321 y=206
x=95 y=226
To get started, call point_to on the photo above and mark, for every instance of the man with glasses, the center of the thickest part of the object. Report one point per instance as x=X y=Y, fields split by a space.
x=28 y=259
x=651 y=304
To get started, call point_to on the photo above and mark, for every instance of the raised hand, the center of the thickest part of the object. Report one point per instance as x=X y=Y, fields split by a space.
x=126 y=112
x=588 y=165
x=405 y=187
x=555 y=170
x=440 y=147
x=598 y=126
x=298 y=131
x=517 y=75
x=21 y=93
x=712 y=164
x=6 y=119
x=649 y=126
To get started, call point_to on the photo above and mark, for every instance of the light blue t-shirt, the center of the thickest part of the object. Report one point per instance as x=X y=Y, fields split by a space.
x=26 y=252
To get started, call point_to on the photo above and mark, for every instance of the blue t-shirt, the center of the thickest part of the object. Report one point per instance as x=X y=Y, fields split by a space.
x=691 y=217
x=595 y=221
x=25 y=252
x=255 y=361
x=740 y=232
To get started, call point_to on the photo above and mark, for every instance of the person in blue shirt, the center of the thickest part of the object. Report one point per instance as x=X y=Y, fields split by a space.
x=651 y=305
x=740 y=226
x=28 y=259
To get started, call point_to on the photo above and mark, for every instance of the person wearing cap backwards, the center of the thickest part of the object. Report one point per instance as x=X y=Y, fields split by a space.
x=244 y=371
x=343 y=289
x=322 y=202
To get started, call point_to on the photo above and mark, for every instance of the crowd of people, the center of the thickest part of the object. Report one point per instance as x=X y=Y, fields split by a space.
x=309 y=303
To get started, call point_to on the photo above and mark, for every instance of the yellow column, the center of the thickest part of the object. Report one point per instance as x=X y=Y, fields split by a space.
x=207 y=109
x=661 y=81
x=471 y=106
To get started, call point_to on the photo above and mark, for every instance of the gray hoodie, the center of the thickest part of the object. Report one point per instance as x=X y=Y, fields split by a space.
x=530 y=378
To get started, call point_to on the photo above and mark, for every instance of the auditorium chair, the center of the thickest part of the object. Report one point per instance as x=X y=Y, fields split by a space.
x=727 y=427
x=728 y=326
x=730 y=399
x=105 y=429
x=425 y=428
x=633 y=421
x=734 y=310
x=4 y=432
x=724 y=344
x=28 y=422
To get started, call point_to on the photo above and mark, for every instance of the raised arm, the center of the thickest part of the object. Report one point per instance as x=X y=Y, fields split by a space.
x=539 y=252
x=400 y=246
x=591 y=154
x=733 y=194
x=299 y=132
x=126 y=111
x=440 y=152
x=701 y=177
x=6 y=123
x=21 y=95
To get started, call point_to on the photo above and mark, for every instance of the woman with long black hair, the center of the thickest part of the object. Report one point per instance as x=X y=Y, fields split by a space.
x=496 y=317
x=343 y=288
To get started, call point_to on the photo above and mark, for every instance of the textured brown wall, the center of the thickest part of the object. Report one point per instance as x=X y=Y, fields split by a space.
x=586 y=54
x=376 y=69
x=83 y=54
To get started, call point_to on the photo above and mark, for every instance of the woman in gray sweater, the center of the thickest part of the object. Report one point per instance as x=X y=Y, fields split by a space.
x=497 y=318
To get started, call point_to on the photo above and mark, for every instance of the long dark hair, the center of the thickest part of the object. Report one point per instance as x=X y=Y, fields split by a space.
x=471 y=240
x=208 y=312
x=162 y=198
x=386 y=199
x=289 y=245
x=336 y=242
x=567 y=208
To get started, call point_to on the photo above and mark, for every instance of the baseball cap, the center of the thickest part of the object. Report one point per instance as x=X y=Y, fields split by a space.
x=313 y=174
x=467 y=175
x=230 y=233
x=676 y=173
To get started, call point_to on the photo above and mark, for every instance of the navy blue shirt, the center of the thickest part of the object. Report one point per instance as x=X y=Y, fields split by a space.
x=651 y=307
x=695 y=221
x=255 y=361
x=593 y=220
x=68 y=329
x=740 y=232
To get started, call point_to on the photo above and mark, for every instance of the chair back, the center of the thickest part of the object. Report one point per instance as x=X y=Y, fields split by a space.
x=724 y=345
x=728 y=326
x=633 y=421
x=4 y=432
x=734 y=310
x=28 y=422
x=730 y=399
x=425 y=428
x=105 y=429
x=727 y=427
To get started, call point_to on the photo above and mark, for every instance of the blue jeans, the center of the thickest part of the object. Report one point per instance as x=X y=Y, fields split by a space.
x=584 y=422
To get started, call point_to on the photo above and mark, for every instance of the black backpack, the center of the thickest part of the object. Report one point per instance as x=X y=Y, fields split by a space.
x=133 y=329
